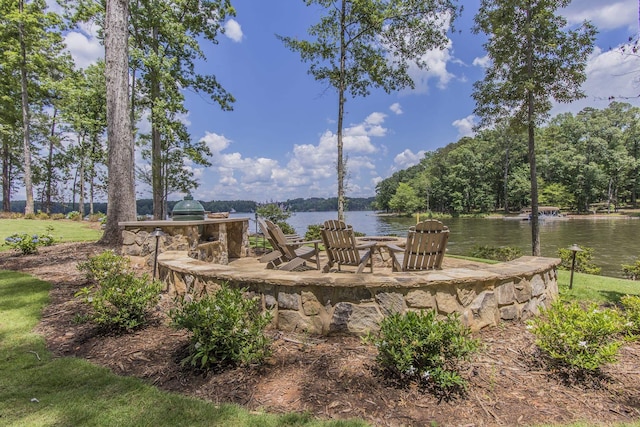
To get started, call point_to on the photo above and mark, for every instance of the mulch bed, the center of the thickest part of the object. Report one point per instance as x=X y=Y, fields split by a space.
x=336 y=377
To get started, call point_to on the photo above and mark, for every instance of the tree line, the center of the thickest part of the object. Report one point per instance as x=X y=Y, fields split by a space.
x=144 y=207
x=592 y=157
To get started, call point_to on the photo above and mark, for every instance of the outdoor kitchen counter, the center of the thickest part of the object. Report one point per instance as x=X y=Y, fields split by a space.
x=214 y=240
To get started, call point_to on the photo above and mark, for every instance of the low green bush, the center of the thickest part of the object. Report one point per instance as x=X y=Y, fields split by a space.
x=578 y=338
x=313 y=232
x=119 y=299
x=227 y=329
x=74 y=216
x=506 y=253
x=584 y=260
x=28 y=244
x=419 y=346
x=631 y=271
x=631 y=304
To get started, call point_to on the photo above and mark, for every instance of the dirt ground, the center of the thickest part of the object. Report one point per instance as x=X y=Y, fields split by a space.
x=336 y=377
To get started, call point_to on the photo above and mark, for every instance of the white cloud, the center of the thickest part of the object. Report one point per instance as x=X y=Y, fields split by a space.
x=436 y=61
x=482 y=62
x=610 y=74
x=396 y=108
x=407 y=158
x=309 y=172
x=233 y=30
x=84 y=46
x=215 y=142
x=465 y=126
x=606 y=15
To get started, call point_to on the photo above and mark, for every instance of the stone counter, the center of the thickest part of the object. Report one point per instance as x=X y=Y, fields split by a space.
x=211 y=240
x=324 y=303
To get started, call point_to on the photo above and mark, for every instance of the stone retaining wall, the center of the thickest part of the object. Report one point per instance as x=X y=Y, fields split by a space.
x=320 y=303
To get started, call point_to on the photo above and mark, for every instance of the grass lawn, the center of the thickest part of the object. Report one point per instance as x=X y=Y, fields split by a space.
x=63 y=230
x=600 y=289
x=38 y=390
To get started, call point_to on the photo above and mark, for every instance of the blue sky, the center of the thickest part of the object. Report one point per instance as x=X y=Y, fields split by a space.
x=279 y=142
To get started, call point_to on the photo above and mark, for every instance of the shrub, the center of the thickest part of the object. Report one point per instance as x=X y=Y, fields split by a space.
x=104 y=265
x=631 y=304
x=506 y=253
x=42 y=215
x=97 y=217
x=226 y=329
x=57 y=216
x=73 y=216
x=632 y=271
x=30 y=216
x=584 y=263
x=419 y=346
x=578 y=338
x=313 y=232
x=28 y=244
x=120 y=300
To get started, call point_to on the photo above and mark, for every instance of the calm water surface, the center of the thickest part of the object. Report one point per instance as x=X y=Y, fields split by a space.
x=615 y=241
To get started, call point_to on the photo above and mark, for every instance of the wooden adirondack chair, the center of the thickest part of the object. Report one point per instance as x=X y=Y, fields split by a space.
x=293 y=254
x=340 y=243
x=425 y=248
x=275 y=253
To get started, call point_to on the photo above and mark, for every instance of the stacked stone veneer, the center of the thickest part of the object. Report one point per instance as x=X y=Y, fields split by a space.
x=320 y=303
x=211 y=241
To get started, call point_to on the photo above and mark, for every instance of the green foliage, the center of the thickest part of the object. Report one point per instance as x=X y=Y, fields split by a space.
x=74 y=216
x=42 y=215
x=506 y=253
x=226 y=329
x=313 y=232
x=584 y=263
x=28 y=244
x=421 y=347
x=120 y=300
x=276 y=214
x=576 y=337
x=632 y=271
x=404 y=199
x=631 y=304
x=57 y=216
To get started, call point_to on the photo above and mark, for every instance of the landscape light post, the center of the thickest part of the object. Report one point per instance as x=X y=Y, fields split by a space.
x=157 y=233
x=575 y=249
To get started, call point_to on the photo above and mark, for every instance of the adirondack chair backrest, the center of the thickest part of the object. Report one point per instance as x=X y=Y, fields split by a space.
x=426 y=245
x=340 y=242
x=279 y=240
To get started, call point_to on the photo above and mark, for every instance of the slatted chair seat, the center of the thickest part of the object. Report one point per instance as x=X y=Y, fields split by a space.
x=293 y=254
x=341 y=247
x=425 y=248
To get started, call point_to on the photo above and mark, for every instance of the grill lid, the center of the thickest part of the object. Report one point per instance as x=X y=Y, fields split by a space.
x=188 y=209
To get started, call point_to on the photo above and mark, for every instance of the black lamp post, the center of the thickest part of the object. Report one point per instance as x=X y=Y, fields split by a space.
x=157 y=233
x=575 y=249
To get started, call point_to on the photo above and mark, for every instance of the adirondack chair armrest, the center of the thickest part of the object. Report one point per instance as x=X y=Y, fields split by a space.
x=395 y=248
x=306 y=242
x=366 y=245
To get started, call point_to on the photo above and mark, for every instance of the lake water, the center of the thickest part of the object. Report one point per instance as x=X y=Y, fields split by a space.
x=615 y=241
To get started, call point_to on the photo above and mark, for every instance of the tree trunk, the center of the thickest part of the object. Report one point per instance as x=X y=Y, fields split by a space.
x=535 y=224
x=340 y=165
x=26 y=143
x=49 y=177
x=156 y=143
x=506 y=179
x=6 y=175
x=121 y=201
